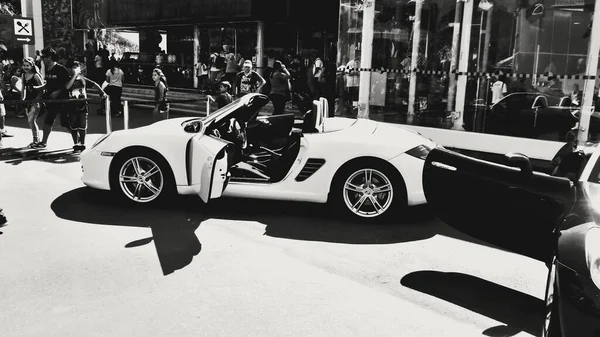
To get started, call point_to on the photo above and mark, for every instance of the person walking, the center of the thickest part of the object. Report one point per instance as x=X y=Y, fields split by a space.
x=31 y=80
x=114 y=78
x=280 y=86
x=79 y=111
x=56 y=78
x=161 y=110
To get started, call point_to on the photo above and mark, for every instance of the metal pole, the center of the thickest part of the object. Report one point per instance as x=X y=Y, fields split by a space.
x=454 y=57
x=196 y=54
x=260 y=47
x=416 y=39
x=587 y=106
x=488 y=33
x=208 y=100
x=366 y=57
x=108 y=116
x=126 y=115
x=463 y=65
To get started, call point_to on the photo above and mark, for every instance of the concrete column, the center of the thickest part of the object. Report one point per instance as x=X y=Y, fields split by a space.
x=33 y=9
x=366 y=58
x=587 y=106
x=196 y=53
x=463 y=65
x=416 y=40
x=454 y=58
x=260 y=47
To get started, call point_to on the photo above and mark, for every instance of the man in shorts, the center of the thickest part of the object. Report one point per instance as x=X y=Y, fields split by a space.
x=56 y=77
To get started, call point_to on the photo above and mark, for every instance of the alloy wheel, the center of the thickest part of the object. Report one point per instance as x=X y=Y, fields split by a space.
x=141 y=179
x=368 y=193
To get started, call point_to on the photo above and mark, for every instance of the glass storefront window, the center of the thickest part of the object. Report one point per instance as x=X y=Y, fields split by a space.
x=523 y=64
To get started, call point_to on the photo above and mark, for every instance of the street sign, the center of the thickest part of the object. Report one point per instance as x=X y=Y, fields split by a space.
x=23 y=30
x=16 y=30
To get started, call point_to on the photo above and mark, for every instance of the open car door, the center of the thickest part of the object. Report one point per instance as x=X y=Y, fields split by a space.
x=509 y=206
x=208 y=166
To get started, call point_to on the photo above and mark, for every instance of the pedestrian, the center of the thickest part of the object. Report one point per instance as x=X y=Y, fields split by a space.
x=280 y=86
x=114 y=78
x=202 y=75
x=224 y=96
x=16 y=89
x=32 y=80
x=56 y=78
x=161 y=110
x=248 y=81
x=78 y=111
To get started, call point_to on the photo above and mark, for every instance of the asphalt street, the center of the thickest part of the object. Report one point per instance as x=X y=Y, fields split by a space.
x=76 y=263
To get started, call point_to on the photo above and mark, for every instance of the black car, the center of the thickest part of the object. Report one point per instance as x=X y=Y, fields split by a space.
x=551 y=218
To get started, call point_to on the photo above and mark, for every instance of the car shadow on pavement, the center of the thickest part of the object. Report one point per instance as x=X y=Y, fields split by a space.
x=16 y=156
x=519 y=311
x=173 y=231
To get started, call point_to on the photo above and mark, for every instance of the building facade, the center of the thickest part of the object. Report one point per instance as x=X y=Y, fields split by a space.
x=446 y=65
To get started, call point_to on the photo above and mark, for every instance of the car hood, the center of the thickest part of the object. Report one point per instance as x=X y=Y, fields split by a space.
x=591 y=194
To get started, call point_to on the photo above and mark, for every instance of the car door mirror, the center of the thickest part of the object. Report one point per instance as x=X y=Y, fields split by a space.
x=521 y=161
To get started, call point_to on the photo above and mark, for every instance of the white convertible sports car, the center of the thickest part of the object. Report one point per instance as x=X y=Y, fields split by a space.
x=367 y=169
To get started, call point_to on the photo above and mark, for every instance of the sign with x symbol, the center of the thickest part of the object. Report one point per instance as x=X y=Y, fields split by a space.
x=23 y=27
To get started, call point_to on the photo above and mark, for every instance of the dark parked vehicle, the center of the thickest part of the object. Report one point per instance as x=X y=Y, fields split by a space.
x=555 y=219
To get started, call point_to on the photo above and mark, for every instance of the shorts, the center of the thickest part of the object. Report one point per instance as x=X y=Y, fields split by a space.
x=2 y=110
x=53 y=110
x=78 y=118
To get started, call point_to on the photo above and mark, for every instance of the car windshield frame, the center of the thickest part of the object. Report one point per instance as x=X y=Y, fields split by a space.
x=591 y=172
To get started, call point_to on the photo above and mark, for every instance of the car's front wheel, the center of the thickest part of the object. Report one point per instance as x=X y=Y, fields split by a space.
x=551 y=326
x=369 y=191
x=142 y=177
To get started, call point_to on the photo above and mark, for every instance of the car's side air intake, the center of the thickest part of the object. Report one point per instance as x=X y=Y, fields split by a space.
x=312 y=165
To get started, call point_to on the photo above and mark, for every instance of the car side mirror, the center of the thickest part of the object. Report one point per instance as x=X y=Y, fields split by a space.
x=521 y=161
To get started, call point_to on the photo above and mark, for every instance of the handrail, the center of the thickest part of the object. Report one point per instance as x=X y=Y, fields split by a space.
x=209 y=98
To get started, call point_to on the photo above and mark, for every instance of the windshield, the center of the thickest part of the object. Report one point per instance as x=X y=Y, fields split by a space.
x=595 y=174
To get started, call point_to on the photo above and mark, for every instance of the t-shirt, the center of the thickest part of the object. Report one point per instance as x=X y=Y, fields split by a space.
x=247 y=83
x=56 y=78
x=78 y=90
x=498 y=91
x=279 y=83
x=116 y=79
x=223 y=99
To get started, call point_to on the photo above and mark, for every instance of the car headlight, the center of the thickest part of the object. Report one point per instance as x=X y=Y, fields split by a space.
x=100 y=140
x=592 y=254
x=420 y=151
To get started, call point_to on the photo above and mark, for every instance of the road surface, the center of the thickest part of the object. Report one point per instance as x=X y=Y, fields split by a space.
x=75 y=263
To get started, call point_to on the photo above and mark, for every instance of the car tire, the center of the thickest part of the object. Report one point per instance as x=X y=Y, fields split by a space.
x=551 y=323
x=389 y=202
x=152 y=186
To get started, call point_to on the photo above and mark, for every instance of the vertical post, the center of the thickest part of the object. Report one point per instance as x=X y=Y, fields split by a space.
x=454 y=56
x=260 y=47
x=587 y=106
x=463 y=65
x=126 y=115
x=414 y=59
x=196 y=53
x=366 y=56
x=488 y=33
x=108 y=115
x=33 y=9
x=297 y=41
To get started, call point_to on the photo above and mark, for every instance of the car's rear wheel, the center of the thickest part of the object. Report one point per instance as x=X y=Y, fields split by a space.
x=369 y=191
x=141 y=177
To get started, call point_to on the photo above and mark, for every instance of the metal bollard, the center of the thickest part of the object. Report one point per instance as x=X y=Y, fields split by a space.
x=126 y=115
x=108 y=115
x=208 y=100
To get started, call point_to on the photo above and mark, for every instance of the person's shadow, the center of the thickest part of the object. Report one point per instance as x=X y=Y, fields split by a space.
x=173 y=228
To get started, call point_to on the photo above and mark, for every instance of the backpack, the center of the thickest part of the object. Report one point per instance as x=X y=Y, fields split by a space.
x=220 y=62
